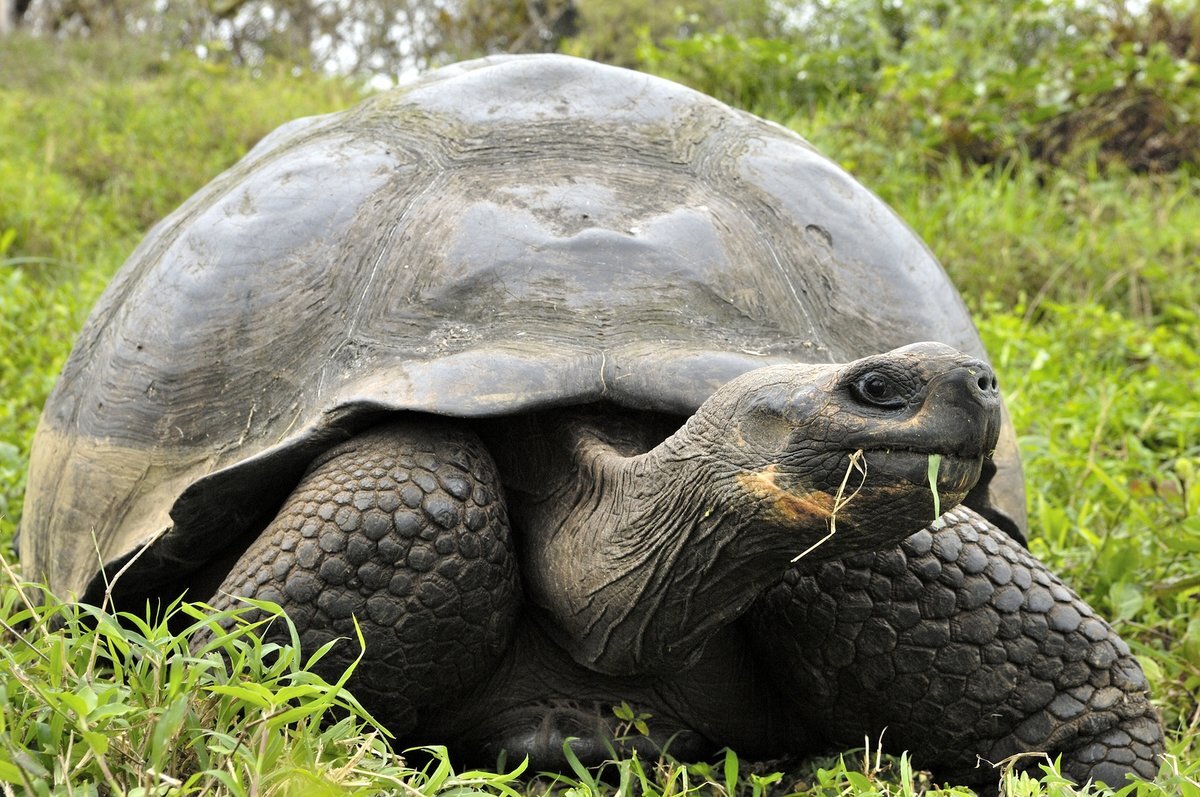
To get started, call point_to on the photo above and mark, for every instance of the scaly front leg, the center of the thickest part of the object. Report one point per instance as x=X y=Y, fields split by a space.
x=958 y=646
x=403 y=528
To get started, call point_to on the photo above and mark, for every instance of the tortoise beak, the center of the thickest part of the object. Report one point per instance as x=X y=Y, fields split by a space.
x=967 y=397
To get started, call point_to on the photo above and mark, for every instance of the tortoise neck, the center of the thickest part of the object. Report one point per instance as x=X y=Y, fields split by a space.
x=638 y=559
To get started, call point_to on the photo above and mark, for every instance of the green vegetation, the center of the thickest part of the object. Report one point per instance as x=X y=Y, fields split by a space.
x=1003 y=83
x=1068 y=220
x=99 y=142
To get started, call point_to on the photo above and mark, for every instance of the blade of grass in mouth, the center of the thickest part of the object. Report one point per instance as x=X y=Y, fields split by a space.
x=935 y=464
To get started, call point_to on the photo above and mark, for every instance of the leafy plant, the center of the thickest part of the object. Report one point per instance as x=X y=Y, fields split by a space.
x=1067 y=84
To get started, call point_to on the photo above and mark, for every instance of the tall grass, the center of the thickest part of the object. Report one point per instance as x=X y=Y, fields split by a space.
x=94 y=704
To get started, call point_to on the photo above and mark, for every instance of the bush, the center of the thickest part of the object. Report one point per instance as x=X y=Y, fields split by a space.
x=983 y=83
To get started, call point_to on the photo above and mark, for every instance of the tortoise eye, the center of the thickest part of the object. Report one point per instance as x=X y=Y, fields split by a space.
x=878 y=390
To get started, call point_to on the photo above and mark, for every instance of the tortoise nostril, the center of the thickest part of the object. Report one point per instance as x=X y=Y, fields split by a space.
x=981 y=382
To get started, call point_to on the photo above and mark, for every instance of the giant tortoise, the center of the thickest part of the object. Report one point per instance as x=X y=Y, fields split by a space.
x=546 y=372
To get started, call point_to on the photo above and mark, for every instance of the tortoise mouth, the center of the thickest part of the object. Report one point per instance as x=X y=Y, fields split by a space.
x=954 y=474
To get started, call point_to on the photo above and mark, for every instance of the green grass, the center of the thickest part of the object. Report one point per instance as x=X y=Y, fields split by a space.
x=117 y=705
x=1084 y=282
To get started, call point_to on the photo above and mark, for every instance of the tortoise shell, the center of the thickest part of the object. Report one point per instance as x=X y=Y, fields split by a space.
x=504 y=235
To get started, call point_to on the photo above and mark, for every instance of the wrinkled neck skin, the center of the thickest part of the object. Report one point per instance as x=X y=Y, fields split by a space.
x=636 y=561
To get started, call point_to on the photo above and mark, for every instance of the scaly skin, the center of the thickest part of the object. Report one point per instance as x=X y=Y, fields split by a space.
x=638 y=568
x=403 y=528
x=958 y=646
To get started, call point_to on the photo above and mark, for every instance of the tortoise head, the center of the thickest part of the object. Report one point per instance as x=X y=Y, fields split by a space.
x=874 y=449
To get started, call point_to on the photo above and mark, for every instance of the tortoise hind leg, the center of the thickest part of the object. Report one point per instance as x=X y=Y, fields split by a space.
x=404 y=528
x=962 y=648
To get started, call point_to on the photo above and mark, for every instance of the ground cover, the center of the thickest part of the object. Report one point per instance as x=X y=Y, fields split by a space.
x=1082 y=275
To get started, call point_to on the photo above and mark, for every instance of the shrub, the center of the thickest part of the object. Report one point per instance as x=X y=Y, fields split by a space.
x=984 y=83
